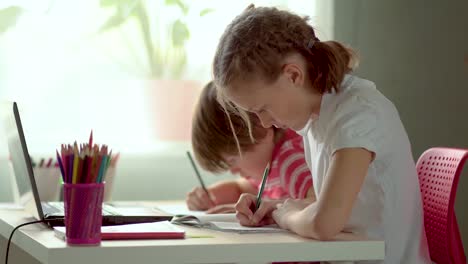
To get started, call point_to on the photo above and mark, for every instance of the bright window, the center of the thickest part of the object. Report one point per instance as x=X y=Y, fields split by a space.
x=68 y=78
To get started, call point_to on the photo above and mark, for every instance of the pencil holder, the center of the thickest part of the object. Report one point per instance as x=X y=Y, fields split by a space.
x=108 y=190
x=83 y=213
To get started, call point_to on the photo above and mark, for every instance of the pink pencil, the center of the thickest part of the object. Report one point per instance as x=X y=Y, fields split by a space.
x=91 y=139
x=49 y=163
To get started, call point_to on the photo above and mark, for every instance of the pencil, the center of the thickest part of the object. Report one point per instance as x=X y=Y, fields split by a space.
x=102 y=170
x=70 y=167
x=197 y=172
x=49 y=163
x=262 y=186
x=91 y=139
x=59 y=160
x=75 y=163
x=87 y=172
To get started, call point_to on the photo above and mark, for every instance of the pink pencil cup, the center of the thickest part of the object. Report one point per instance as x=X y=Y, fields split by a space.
x=83 y=212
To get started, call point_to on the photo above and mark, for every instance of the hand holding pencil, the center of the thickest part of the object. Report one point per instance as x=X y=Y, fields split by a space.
x=199 y=198
x=252 y=210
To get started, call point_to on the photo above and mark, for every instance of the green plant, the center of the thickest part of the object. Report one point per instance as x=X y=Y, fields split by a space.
x=164 y=45
x=8 y=17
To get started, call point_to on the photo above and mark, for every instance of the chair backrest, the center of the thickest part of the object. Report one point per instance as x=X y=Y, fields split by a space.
x=438 y=171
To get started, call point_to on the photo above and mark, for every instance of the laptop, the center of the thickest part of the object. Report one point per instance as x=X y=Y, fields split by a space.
x=28 y=192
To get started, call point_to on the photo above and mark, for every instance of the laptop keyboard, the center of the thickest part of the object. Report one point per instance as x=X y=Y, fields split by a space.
x=51 y=209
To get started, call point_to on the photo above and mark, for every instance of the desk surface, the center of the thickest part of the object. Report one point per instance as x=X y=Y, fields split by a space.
x=41 y=243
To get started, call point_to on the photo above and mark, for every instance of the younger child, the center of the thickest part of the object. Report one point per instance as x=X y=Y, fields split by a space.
x=216 y=150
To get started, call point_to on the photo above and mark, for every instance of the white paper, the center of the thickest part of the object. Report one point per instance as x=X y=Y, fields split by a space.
x=178 y=209
x=223 y=222
x=238 y=228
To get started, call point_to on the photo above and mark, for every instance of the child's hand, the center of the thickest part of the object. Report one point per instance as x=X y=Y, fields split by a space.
x=198 y=199
x=248 y=216
x=287 y=210
x=222 y=209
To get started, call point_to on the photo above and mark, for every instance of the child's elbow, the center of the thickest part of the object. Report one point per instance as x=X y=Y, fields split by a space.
x=323 y=229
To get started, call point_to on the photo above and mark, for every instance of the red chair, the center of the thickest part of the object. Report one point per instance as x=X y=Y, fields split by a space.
x=438 y=171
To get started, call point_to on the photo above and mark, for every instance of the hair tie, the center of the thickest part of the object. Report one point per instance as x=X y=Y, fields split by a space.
x=312 y=42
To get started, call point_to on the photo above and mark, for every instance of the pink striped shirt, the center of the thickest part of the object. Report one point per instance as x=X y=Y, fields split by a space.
x=289 y=175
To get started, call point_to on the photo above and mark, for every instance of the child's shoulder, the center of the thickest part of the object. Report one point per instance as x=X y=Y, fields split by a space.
x=353 y=86
x=356 y=87
x=356 y=97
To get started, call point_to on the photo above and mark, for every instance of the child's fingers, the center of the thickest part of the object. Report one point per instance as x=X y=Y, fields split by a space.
x=267 y=221
x=193 y=202
x=192 y=206
x=200 y=205
x=204 y=199
x=189 y=200
x=264 y=209
x=243 y=219
x=244 y=204
x=197 y=199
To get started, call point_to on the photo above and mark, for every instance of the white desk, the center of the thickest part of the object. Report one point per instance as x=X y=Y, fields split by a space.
x=41 y=243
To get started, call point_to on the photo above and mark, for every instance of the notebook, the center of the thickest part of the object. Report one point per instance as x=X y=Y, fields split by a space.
x=28 y=192
x=155 y=230
x=222 y=222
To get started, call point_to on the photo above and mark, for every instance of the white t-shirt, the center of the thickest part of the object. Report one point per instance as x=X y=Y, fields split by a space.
x=389 y=205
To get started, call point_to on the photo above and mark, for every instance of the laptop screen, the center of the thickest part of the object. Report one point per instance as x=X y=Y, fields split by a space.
x=26 y=181
x=20 y=160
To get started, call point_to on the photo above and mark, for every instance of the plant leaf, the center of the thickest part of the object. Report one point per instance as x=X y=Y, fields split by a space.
x=180 y=33
x=129 y=7
x=113 y=21
x=110 y=3
x=170 y=2
x=125 y=9
x=107 y=3
x=8 y=17
x=178 y=3
x=206 y=11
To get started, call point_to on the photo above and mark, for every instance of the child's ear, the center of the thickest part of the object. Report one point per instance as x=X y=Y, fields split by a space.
x=294 y=73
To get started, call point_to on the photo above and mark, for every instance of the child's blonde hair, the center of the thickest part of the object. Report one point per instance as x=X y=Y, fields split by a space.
x=216 y=132
x=255 y=44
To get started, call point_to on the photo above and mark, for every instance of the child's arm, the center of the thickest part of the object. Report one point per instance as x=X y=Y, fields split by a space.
x=243 y=187
x=224 y=192
x=229 y=191
x=326 y=218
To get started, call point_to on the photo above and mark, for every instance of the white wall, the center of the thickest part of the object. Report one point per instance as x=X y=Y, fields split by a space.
x=157 y=177
x=416 y=52
x=5 y=189
x=165 y=175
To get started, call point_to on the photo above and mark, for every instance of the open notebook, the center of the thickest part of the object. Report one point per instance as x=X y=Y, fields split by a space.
x=219 y=222
x=154 y=230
